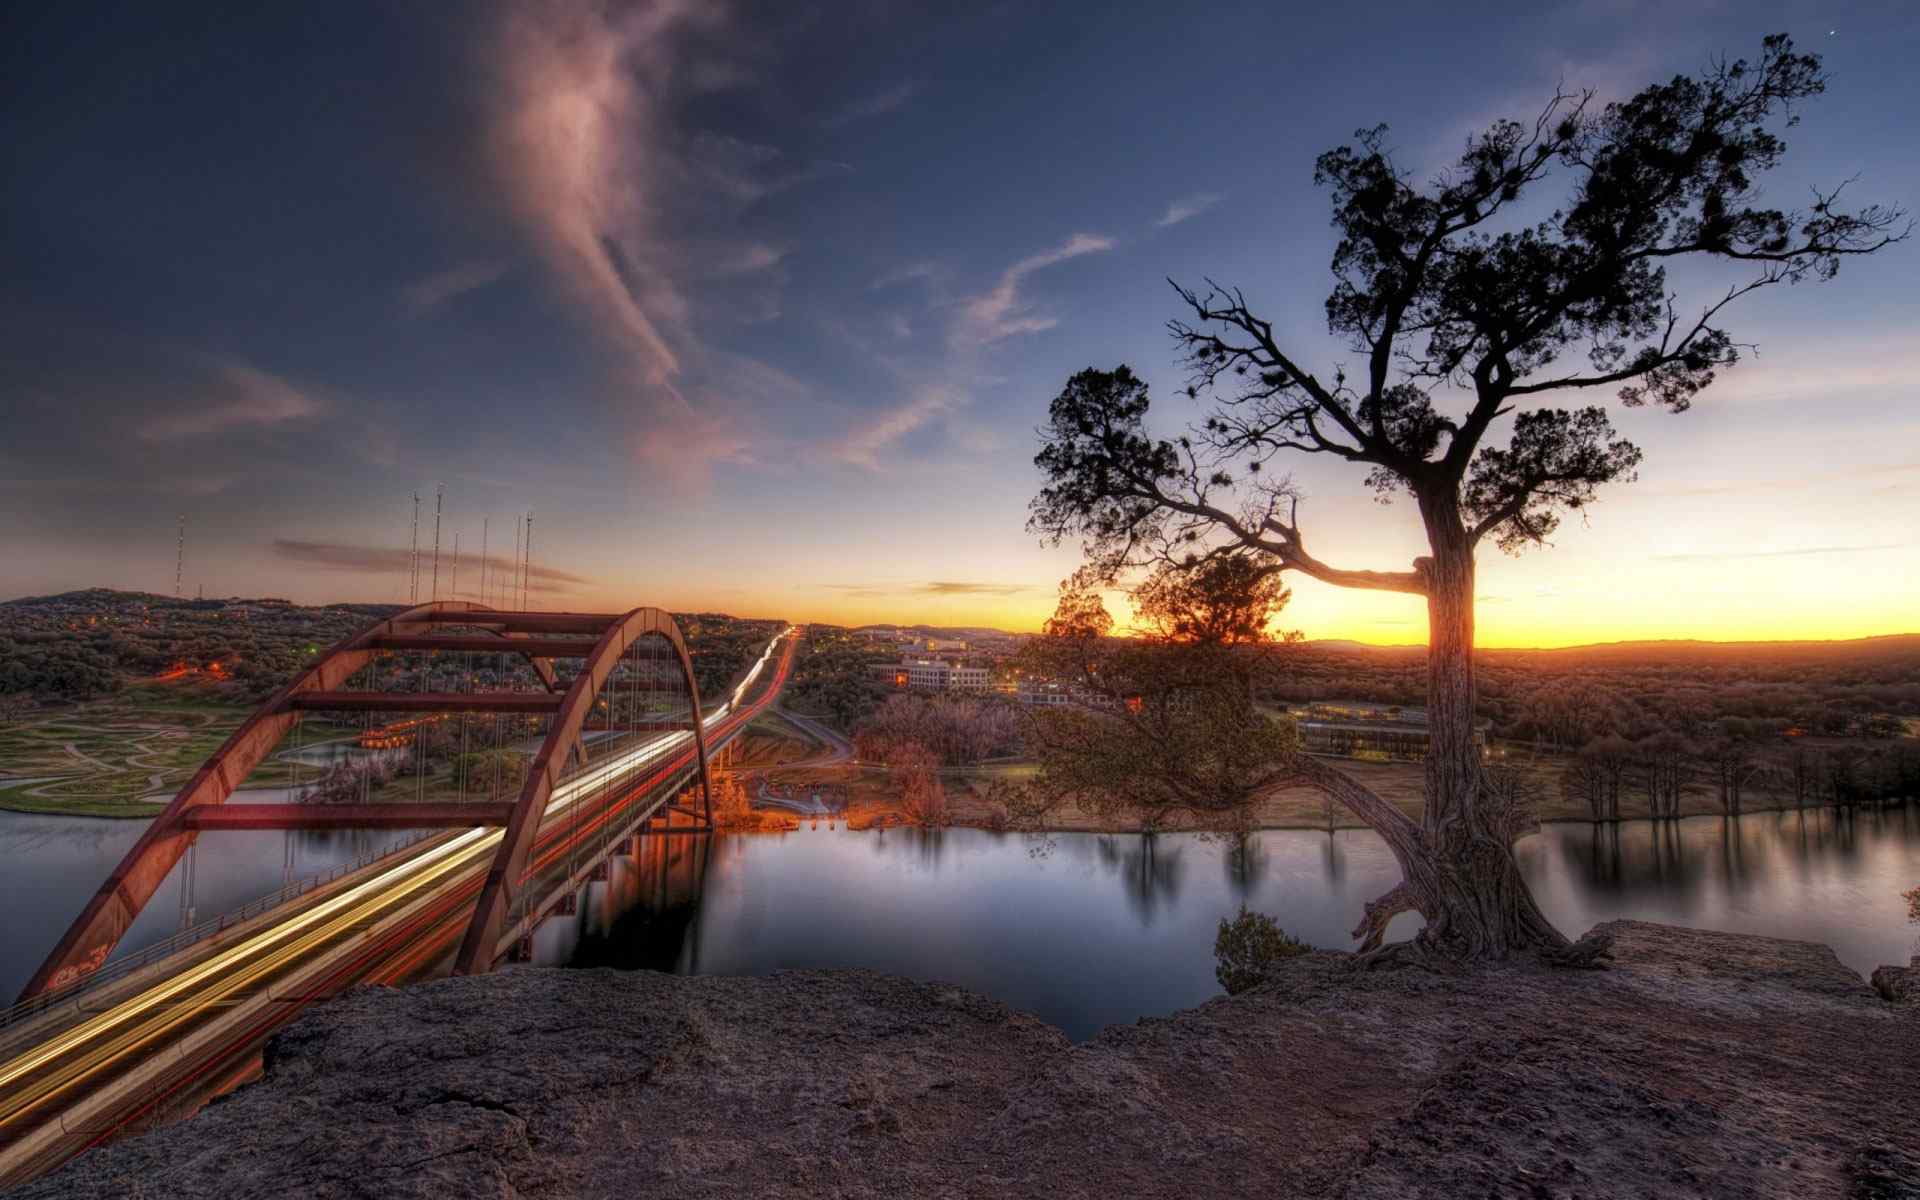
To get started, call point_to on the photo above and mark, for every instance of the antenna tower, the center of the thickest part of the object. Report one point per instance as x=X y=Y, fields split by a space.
x=413 y=556
x=526 y=575
x=513 y=577
x=439 y=492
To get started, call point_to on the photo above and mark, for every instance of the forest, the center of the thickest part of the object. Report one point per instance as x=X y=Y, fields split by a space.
x=87 y=644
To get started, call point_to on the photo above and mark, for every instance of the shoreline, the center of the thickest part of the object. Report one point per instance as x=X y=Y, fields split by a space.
x=1701 y=1064
x=892 y=819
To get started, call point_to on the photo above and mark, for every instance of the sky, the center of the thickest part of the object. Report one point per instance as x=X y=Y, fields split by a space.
x=757 y=308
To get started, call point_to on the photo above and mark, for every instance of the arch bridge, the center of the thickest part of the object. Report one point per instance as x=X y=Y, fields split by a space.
x=419 y=666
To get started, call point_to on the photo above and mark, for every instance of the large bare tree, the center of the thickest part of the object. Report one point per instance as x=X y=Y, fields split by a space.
x=1463 y=309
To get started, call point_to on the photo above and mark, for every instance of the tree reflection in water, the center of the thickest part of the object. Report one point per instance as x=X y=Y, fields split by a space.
x=1245 y=860
x=1149 y=867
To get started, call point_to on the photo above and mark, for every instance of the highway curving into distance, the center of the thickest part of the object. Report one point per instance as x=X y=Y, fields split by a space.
x=189 y=1028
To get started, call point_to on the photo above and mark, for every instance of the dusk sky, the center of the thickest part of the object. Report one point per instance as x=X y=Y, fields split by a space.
x=758 y=307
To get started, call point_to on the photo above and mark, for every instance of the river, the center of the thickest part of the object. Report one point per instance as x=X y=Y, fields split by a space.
x=1085 y=930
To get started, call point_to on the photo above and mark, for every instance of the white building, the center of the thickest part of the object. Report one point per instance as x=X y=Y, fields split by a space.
x=933 y=675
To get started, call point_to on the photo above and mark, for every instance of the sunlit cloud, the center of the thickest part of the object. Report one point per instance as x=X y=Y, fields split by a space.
x=430 y=293
x=1187 y=207
x=569 y=148
x=639 y=215
x=246 y=398
x=1003 y=312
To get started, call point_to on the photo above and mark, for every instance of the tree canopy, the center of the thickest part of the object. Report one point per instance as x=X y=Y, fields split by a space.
x=1461 y=313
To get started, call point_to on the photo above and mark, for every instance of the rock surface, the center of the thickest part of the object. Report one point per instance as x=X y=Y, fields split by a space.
x=1701 y=1065
x=1901 y=985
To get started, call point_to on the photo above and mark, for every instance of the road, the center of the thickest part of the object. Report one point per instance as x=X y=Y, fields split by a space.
x=165 y=1044
x=839 y=749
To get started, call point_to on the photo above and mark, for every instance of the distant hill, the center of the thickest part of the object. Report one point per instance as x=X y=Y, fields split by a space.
x=939 y=631
x=1664 y=650
x=95 y=641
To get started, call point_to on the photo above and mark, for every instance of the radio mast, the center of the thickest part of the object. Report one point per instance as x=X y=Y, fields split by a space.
x=526 y=576
x=439 y=492
x=413 y=556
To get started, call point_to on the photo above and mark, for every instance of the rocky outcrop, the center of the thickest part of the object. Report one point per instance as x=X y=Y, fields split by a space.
x=1899 y=985
x=1700 y=1065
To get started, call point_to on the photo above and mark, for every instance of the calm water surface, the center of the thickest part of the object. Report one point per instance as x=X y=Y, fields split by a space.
x=51 y=866
x=1085 y=930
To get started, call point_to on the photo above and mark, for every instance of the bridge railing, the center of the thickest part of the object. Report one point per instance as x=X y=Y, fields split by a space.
x=123 y=965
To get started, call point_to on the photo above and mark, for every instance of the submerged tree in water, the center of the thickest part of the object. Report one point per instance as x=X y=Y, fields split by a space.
x=1465 y=313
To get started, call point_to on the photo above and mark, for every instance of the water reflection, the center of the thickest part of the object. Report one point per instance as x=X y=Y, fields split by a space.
x=1091 y=929
x=53 y=865
x=1083 y=929
x=1820 y=874
x=1245 y=860
x=1148 y=866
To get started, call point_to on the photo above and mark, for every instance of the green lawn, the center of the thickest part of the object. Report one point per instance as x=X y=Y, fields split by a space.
x=122 y=756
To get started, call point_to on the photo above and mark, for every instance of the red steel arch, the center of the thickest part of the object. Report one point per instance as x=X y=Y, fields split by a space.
x=477 y=952
x=112 y=910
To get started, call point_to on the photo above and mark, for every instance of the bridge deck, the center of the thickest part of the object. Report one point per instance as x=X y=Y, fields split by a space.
x=186 y=1025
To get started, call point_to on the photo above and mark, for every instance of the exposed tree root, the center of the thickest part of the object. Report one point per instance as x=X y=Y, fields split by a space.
x=1586 y=953
x=1372 y=929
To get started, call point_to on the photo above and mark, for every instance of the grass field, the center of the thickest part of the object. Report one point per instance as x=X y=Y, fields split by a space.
x=119 y=757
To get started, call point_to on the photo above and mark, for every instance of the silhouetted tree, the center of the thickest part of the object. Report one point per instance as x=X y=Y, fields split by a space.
x=1463 y=313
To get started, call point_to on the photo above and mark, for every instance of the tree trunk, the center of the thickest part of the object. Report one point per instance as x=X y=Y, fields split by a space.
x=1465 y=880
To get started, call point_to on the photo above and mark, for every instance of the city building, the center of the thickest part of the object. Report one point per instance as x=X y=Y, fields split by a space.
x=1042 y=694
x=934 y=675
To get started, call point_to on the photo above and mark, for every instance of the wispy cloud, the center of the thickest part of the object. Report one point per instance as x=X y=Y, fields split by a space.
x=1003 y=312
x=747 y=260
x=1188 y=207
x=244 y=397
x=939 y=587
x=876 y=105
x=863 y=445
x=949 y=588
x=911 y=273
x=570 y=148
x=1717 y=555
x=587 y=147
x=430 y=293
x=341 y=556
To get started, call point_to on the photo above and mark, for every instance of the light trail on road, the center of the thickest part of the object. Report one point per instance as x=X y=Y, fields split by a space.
x=70 y=1059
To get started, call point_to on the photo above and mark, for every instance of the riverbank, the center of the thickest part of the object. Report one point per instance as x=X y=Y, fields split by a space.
x=1701 y=1065
x=871 y=804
